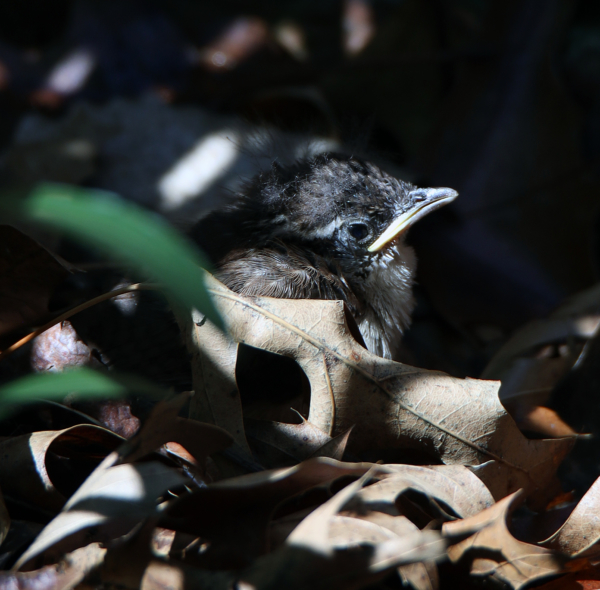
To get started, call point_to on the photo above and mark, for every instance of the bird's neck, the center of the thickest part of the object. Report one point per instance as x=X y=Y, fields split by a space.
x=388 y=299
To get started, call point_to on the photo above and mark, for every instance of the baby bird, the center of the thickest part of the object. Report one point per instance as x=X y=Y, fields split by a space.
x=331 y=227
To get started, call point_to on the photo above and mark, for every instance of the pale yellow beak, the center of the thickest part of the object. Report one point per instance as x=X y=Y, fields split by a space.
x=431 y=199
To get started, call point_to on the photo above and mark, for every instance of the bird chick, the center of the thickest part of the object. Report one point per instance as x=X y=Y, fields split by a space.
x=331 y=227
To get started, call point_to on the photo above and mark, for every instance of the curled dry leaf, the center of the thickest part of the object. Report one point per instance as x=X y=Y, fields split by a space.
x=164 y=425
x=454 y=485
x=544 y=421
x=278 y=441
x=66 y=574
x=217 y=399
x=233 y=514
x=421 y=575
x=310 y=559
x=390 y=405
x=112 y=501
x=31 y=471
x=60 y=348
x=165 y=576
x=493 y=551
x=579 y=536
x=538 y=356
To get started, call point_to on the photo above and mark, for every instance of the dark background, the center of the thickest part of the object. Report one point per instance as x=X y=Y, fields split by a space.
x=499 y=99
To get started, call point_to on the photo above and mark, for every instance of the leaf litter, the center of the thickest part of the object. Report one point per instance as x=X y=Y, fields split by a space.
x=200 y=483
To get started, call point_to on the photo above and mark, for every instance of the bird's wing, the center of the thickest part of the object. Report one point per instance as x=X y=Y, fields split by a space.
x=285 y=271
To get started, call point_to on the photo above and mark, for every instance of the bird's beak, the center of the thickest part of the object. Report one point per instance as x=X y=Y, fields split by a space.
x=426 y=200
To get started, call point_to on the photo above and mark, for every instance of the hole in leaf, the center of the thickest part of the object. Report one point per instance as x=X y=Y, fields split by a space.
x=270 y=384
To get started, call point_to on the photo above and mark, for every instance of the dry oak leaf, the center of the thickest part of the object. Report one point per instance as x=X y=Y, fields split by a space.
x=579 y=536
x=492 y=551
x=66 y=574
x=358 y=553
x=389 y=404
x=25 y=473
x=233 y=514
x=454 y=485
x=293 y=442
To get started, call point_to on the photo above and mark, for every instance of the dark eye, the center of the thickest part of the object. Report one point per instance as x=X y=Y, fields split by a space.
x=359 y=231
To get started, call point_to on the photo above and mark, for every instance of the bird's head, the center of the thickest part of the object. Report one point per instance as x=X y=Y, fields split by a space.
x=340 y=206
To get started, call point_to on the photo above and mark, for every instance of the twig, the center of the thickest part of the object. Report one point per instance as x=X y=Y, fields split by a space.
x=71 y=312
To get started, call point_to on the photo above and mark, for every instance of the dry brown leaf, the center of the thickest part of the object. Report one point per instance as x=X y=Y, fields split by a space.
x=112 y=501
x=66 y=574
x=233 y=514
x=25 y=473
x=217 y=399
x=493 y=552
x=390 y=405
x=165 y=576
x=544 y=421
x=421 y=575
x=527 y=364
x=375 y=527
x=28 y=276
x=276 y=443
x=335 y=447
x=59 y=348
x=579 y=536
x=454 y=485
x=164 y=425
x=538 y=333
x=309 y=559
x=346 y=531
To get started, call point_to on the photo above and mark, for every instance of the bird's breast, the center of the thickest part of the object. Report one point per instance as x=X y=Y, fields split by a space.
x=388 y=300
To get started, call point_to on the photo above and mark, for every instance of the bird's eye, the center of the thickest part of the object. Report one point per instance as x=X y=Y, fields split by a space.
x=359 y=231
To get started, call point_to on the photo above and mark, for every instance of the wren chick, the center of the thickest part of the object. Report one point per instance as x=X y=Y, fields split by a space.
x=331 y=227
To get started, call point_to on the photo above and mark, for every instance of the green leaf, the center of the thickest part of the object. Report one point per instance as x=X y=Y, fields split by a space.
x=84 y=383
x=123 y=230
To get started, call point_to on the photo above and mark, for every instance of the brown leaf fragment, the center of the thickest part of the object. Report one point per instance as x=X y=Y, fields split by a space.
x=66 y=574
x=539 y=355
x=346 y=531
x=454 y=485
x=108 y=504
x=35 y=467
x=544 y=421
x=579 y=536
x=360 y=552
x=492 y=550
x=334 y=448
x=164 y=425
x=233 y=514
x=420 y=575
x=116 y=416
x=170 y=576
x=587 y=579
x=59 y=348
x=28 y=276
x=295 y=441
x=390 y=405
x=217 y=399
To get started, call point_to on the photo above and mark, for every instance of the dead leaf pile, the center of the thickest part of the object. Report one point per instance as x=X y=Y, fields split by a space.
x=385 y=472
